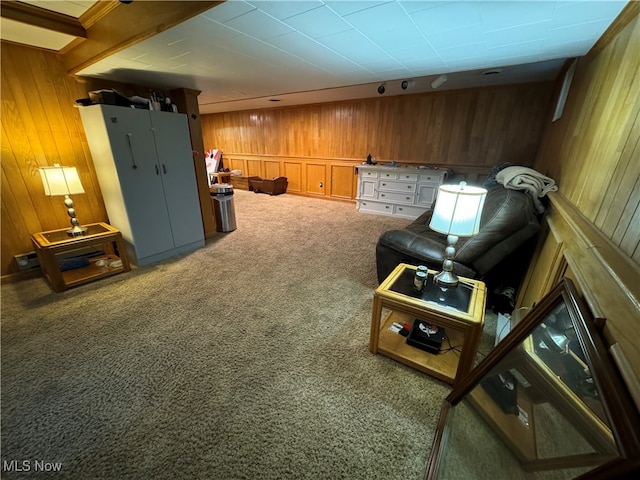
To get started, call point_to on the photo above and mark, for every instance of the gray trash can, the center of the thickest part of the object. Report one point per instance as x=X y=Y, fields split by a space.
x=223 y=209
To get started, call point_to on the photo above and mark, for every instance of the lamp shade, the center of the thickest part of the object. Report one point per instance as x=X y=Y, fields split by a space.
x=458 y=210
x=59 y=180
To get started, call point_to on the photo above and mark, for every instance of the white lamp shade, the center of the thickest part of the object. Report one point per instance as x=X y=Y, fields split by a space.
x=59 y=180
x=458 y=210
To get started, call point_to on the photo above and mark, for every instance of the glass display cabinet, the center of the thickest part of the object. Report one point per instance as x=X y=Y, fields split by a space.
x=547 y=402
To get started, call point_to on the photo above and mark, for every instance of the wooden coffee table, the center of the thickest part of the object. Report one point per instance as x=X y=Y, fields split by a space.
x=459 y=310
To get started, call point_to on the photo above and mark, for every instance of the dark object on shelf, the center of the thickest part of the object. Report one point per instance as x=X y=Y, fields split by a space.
x=85 y=102
x=502 y=389
x=72 y=263
x=275 y=186
x=109 y=97
x=426 y=336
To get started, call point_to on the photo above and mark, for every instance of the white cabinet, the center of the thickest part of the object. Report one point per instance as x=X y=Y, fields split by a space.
x=405 y=192
x=145 y=170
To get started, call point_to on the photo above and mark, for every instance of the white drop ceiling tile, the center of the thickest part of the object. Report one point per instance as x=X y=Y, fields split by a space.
x=460 y=36
x=404 y=42
x=469 y=63
x=354 y=46
x=258 y=25
x=319 y=22
x=515 y=49
x=228 y=10
x=521 y=34
x=301 y=46
x=447 y=17
x=347 y=7
x=413 y=6
x=578 y=31
x=407 y=55
x=472 y=50
x=251 y=48
x=283 y=9
x=498 y=15
x=581 y=12
x=381 y=18
x=425 y=66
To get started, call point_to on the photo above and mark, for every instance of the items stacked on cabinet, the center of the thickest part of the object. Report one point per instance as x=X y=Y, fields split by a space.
x=146 y=174
x=405 y=192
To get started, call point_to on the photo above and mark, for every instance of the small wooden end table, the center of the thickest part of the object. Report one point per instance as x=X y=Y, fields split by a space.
x=459 y=310
x=55 y=244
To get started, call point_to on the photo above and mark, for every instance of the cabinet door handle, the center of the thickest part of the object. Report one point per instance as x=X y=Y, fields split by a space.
x=409 y=186
x=164 y=169
x=133 y=157
x=157 y=171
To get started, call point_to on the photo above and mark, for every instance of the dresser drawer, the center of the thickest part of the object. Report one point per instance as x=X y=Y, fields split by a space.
x=368 y=174
x=375 y=207
x=397 y=186
x=388 y=175
x=436 y=179
x=396 y=197
x=408 y=211
x=408 y=177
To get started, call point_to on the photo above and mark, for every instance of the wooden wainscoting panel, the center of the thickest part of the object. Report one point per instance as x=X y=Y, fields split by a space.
x=254 y=168
x=293 y=172
x=316 y=178
x=235 y=164
x=271 y=168
x=343 y=182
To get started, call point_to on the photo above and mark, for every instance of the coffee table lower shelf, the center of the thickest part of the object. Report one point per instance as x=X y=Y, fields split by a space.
x=443 y=365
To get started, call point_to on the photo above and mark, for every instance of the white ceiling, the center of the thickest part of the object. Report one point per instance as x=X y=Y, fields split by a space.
x=245 y=53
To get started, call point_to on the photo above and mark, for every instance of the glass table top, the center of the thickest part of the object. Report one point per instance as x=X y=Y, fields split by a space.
x=457 y=298
x=62 y=235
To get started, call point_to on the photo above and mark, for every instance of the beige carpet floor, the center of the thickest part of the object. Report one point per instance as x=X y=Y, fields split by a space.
x=246 y=359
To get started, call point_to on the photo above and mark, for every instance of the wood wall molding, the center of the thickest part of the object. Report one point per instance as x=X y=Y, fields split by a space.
x=126 y=25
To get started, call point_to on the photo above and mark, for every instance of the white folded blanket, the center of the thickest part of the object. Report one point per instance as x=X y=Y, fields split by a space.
x=523 y=178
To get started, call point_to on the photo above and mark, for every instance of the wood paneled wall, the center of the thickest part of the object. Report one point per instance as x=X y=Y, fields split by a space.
x=475 y=127
x=593 y=150
x=40 y=126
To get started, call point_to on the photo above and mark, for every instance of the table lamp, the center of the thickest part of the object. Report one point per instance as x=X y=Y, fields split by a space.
x=456 y=213
x=58 y=181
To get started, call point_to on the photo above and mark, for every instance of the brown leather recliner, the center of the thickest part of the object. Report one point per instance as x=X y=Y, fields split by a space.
x=509 y=219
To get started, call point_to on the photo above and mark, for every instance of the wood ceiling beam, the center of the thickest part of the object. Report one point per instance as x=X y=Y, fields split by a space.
x=124 y=25
x=43 y=18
